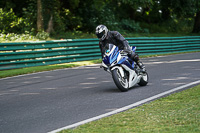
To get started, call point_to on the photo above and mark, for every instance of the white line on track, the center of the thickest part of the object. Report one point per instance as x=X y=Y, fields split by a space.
x=125 y=108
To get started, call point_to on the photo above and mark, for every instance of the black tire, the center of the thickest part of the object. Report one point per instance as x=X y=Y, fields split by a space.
x=144 y=80
x=118 y=81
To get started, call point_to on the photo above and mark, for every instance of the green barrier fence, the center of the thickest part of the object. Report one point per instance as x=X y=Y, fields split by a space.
x=27 y=54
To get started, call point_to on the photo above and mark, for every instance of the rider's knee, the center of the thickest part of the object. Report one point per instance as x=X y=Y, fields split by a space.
x=134 y=56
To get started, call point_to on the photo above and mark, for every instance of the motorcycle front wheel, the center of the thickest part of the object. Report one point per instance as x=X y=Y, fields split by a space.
x=121 y=82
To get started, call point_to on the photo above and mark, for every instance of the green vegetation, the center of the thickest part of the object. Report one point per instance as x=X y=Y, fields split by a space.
x=176 y=113
x=11 y=37
x=24 y=20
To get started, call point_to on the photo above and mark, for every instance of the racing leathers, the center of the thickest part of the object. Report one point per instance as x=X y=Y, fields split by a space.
x=114 y=37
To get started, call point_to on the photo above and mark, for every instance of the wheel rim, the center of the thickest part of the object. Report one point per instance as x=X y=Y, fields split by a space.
x=123 y=81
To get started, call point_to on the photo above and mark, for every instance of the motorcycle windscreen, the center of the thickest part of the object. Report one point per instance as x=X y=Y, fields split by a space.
x=133 y=48
x=112 y=57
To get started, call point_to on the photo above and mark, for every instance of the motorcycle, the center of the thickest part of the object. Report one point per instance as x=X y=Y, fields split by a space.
x=125 y=72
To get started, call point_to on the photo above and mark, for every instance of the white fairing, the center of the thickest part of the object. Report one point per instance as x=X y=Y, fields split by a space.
x=120 y=70
x=119 y=57
x=133 y=77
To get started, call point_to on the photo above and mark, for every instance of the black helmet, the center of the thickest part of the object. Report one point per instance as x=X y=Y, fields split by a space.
x=101 y=31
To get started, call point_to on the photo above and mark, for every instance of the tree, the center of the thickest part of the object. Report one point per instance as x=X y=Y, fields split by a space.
x=166 y=14
x=196 y=27
x=40 y=26
x=126 y=15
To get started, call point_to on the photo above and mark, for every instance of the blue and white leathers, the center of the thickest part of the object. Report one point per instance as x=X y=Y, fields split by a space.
x=124 y=71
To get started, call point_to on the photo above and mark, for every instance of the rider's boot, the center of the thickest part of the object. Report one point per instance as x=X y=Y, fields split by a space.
x=135 y=58
x=141 y=66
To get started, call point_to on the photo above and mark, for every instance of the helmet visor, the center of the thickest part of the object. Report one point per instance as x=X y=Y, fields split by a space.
x=99 y=35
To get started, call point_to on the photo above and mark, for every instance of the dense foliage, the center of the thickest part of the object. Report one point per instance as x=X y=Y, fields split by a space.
x=135 y=16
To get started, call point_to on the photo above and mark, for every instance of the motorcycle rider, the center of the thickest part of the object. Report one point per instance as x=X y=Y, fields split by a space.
x=107 y=37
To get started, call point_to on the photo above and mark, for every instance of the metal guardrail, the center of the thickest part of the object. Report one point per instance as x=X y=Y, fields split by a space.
x=28 y=54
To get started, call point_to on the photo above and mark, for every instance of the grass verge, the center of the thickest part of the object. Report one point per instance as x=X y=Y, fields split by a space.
x=179 y=112
x=21 y=71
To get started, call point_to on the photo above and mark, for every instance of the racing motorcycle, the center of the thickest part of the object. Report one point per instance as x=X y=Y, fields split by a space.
x=125 y=72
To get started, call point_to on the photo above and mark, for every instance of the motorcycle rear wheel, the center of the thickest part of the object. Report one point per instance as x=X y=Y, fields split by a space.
x=144 y=80
x=120 y=82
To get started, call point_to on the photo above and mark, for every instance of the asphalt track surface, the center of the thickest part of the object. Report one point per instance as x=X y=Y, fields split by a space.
x=42 y=102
